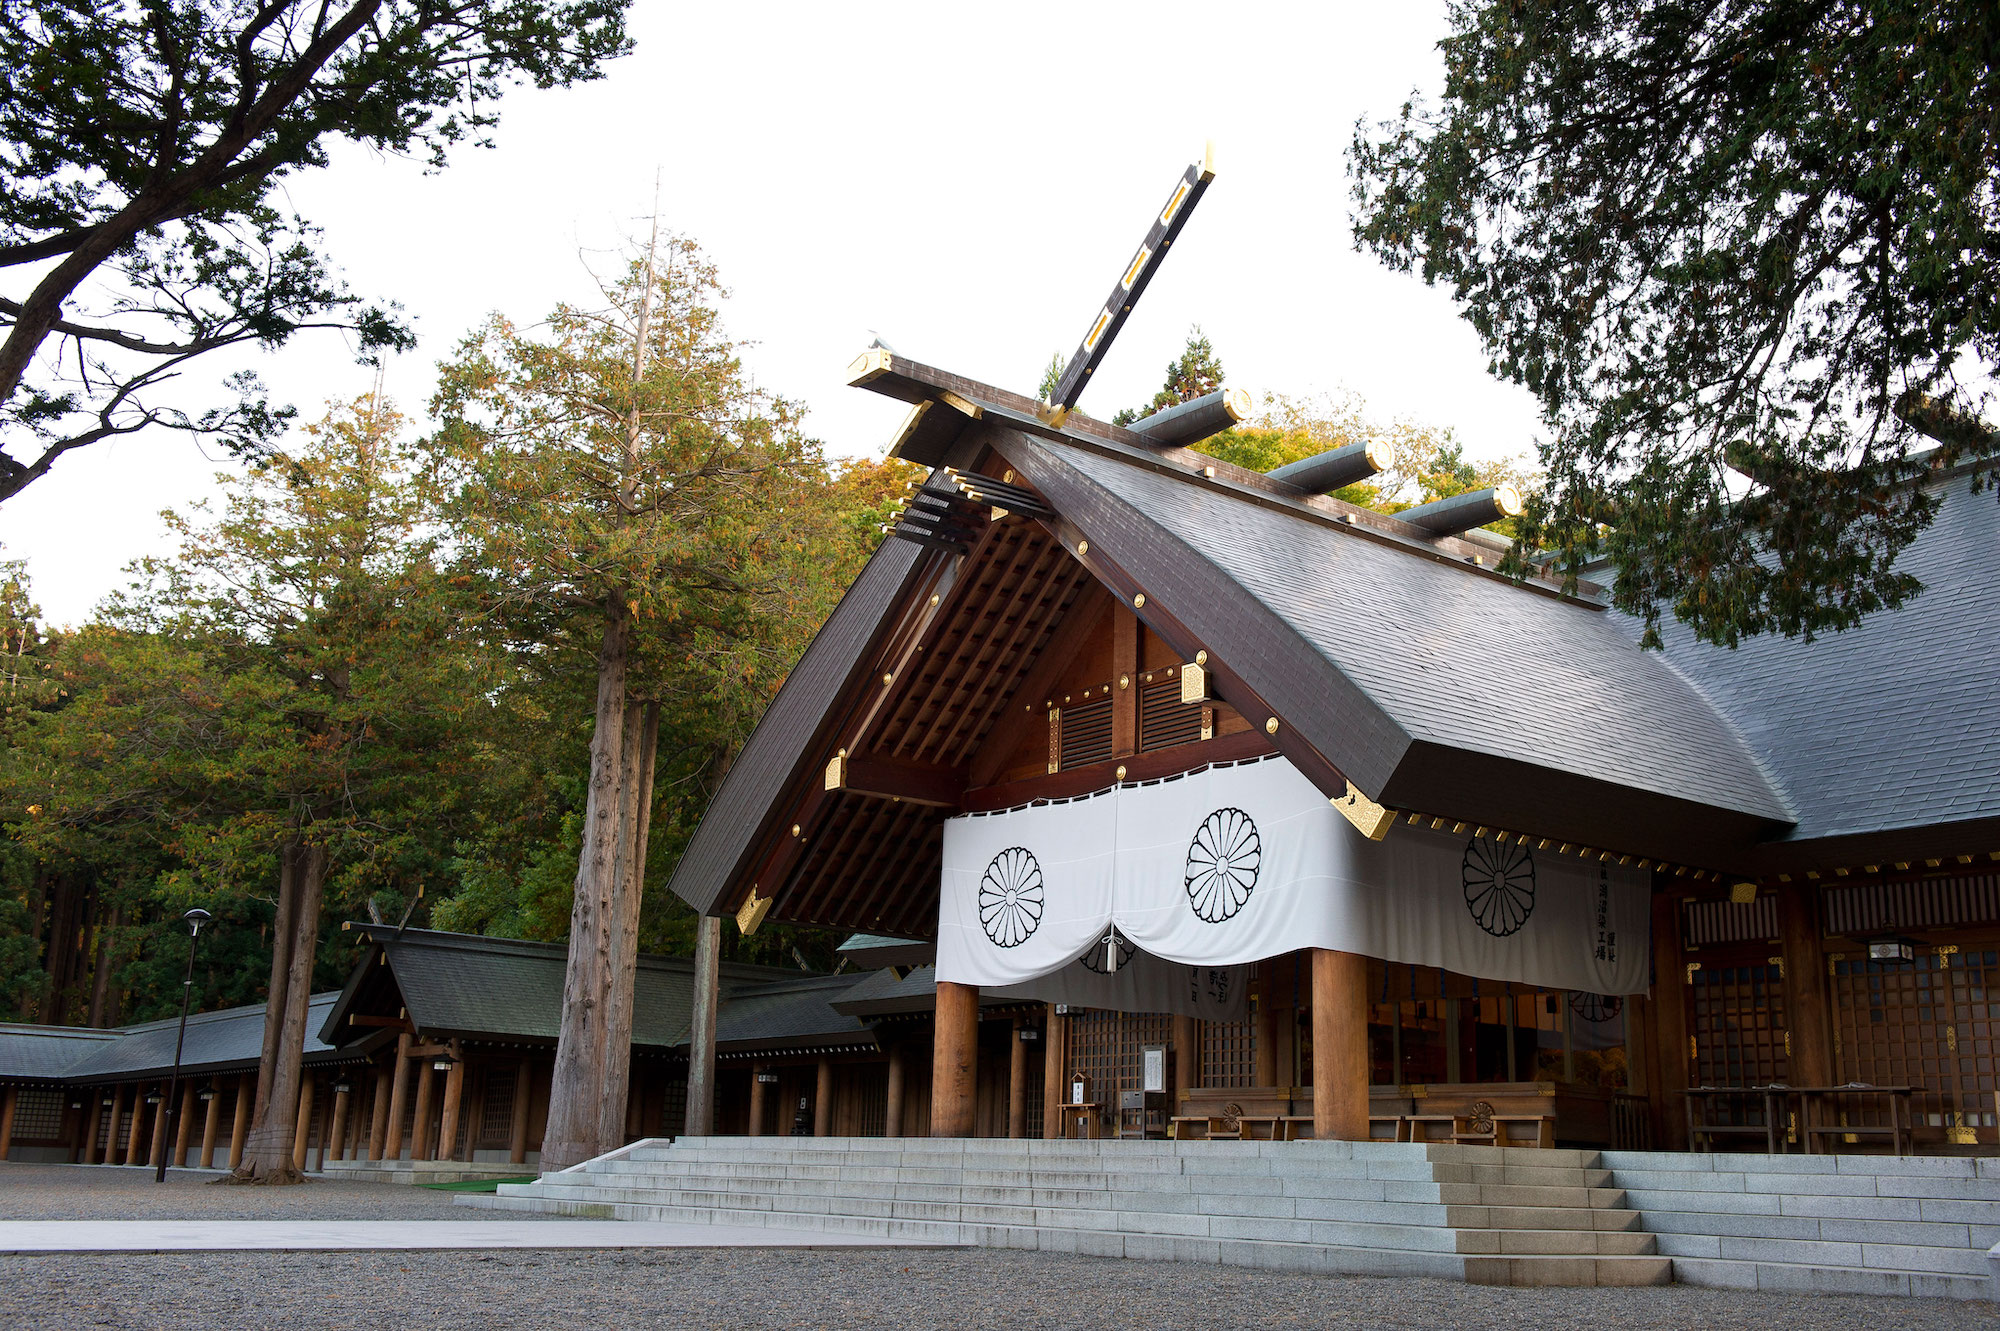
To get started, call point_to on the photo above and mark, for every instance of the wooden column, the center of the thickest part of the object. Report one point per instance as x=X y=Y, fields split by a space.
x=524 y=1093
x=1806 y=1007
x=823 y=1100
x=246 y=1096
x=1017 y=1082
x=7 y=1121
x=338 y=1133
x=1669 y=1023
x=211 y=1123
x=1055 y=1072
x=1187 y=1059
x=1340 y=1045
x=454 y=1094
x=93 y=1114
x=955 y=1061
x=134 y=1123
x=757 y=1099
x=420 y=1129
x=399 y=1096
x=161 y=1118
x=701 y=1036
x=893 y=1122
x=302 y=1132
x=1264 y=1041
x=184 y=1129
x=378 y=1118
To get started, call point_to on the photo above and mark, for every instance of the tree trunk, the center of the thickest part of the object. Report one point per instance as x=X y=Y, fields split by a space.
x=289 y=857
x=267 y=1156
x=103 y=1008
x=575 y=1124
x=642 y=735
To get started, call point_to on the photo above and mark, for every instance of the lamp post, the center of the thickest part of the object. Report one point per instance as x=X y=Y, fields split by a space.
x=194 y=919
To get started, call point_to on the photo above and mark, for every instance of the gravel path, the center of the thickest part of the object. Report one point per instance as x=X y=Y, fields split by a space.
x=100 y=1192
x=747 y=1290
x=978 y=1290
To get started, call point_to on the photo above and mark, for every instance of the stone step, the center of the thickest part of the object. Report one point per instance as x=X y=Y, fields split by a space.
x=1514 y=1194
x=1804 y=1278
x=1330 y=1259
x=1908 y=1232
x=1828 y=1253
x=1602 y=1219
x=1522 y=1175
x=1883 y=1166
x=1770 y=1182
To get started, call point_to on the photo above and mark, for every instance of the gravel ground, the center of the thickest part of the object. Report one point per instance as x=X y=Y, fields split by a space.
x=98 y=1192
x=752 y=1289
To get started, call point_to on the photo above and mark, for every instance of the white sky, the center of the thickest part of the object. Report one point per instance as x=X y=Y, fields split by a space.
x=967 y=180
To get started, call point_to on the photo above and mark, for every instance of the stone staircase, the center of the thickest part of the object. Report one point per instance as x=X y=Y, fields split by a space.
x=1845 y=1224
x=1485 y=1215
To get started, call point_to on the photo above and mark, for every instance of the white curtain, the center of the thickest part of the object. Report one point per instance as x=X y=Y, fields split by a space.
x=1233 y=864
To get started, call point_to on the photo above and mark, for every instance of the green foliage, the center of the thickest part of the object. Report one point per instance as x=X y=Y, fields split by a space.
x=1195 y=373
x=1744 y=254
x=143 y=152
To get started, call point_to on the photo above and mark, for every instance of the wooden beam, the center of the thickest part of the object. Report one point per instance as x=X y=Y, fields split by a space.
x=1024 y=710
x=892 y=779
x=1806 y=1006
x=385 y=1023
x=1138 y=767
x=1125 y=683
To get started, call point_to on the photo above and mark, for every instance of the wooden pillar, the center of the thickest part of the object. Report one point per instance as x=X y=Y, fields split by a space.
x=701 y=1036
x=338 y=1134
x=378 y=1118
x=303 y=1129
x=454 y=1093
x=399 y=1096
x=1055 y=1072
x=184 y=1130
x=134 y=1124
x=93 y=1114
x=7 y=1121
x=955 y=1061
x=823 y=1100
x=1264 y=1041
x=1017 y=1082
x=420 y=1129
x=758 y=1096
x=893 y=1123
x=517 y=1133
x=1669 y=1024
x=161 y=1118
x=1806 y=1008
x=211 y=1123
x=246 y=1096
x=1340 y=1045
x=1187 y=1058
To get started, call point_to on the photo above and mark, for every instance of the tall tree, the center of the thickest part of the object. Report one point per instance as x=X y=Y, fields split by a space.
x=1194 y=373
x=142 y=150
x=626 y=493
x=286 y=706
x=1744 y=253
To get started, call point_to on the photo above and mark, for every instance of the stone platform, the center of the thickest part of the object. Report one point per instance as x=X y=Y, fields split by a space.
x=1497 y=1216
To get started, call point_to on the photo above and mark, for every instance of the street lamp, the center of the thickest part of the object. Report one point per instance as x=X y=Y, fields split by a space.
x=194 y=919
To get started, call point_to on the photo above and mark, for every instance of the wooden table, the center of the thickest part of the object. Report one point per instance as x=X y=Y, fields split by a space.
x=1775 y=1098
x=1899 y=1131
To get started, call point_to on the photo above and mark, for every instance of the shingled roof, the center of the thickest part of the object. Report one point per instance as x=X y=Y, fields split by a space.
x=231 y=1040
x=46 y=1053
x=1399 y=661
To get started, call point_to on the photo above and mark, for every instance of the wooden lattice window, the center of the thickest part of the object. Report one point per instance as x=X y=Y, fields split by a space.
x=38 y=1114
x=1932 y=1022
x=496 y=1109
x=1738 y=1024
x=1164 y=720
x=1228 y=1053
x=1083 y=734
x=674 y=1110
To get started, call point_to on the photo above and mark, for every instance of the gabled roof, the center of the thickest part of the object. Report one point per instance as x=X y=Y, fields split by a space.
x=231 y=1040
x=1387 y=656
x=511 y=990
x=46 y=1053
x=1884 y=738
x=789 y=1015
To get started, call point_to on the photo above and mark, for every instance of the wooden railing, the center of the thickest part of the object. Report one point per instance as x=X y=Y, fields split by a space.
x=1631 y=1123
